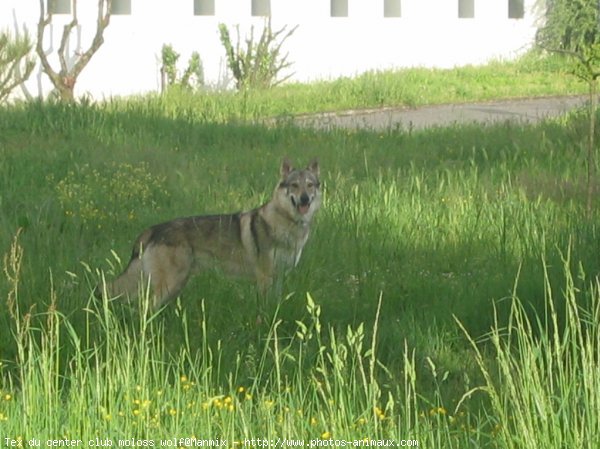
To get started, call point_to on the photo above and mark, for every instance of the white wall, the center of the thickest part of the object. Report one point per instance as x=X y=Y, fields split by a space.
x=429 y=33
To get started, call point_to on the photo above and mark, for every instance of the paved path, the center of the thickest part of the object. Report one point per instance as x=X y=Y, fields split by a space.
x=525 y=111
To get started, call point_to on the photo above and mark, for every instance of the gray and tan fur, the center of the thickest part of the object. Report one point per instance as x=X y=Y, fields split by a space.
x=258 y=244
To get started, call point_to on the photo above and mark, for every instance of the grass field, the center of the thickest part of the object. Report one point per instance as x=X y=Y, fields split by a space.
x=448 y=294
x=532 y=75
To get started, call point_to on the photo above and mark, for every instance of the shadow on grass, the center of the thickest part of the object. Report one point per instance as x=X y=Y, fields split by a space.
x=439 y=223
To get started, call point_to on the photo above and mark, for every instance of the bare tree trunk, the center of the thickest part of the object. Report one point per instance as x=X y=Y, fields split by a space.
x=65 y=78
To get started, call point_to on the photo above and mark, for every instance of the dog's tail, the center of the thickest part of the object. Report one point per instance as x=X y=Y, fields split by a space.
x=128 y=282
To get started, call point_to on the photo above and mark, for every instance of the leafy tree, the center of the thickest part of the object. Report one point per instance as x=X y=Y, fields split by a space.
x=16 y=64
x=71 y=63
x=572 y=28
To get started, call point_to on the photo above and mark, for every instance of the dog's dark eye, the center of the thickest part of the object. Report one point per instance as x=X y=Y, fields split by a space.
x=310 y=185
x=295 y=185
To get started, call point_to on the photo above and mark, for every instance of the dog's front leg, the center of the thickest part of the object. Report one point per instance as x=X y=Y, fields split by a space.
x=263 y=273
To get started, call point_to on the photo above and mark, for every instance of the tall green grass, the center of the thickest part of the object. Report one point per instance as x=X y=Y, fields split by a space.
x=417 y=230
x=540 y=375
x=532 y=75
x=543 y=388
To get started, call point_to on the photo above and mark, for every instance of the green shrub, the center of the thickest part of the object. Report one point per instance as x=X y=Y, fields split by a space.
x=15 y=63
x=259 y=64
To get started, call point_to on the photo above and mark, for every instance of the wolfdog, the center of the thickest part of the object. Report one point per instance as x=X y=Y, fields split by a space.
x=259 y=244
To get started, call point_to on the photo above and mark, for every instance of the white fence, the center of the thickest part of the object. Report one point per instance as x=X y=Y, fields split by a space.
x=334 y=37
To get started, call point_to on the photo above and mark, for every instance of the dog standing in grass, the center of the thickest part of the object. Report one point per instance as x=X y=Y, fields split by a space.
x=260 y=244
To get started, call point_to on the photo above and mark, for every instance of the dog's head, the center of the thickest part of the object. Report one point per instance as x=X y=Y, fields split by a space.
x=299 y=190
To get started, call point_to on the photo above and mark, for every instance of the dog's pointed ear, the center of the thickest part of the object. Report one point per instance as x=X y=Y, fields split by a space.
x=286 y=167
x=313 y=166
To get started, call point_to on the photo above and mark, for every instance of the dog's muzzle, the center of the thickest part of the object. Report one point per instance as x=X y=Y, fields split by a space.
x=303 y=205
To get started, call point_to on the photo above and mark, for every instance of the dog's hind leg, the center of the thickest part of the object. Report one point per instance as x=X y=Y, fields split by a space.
x=169 y=269
x=125 y=284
